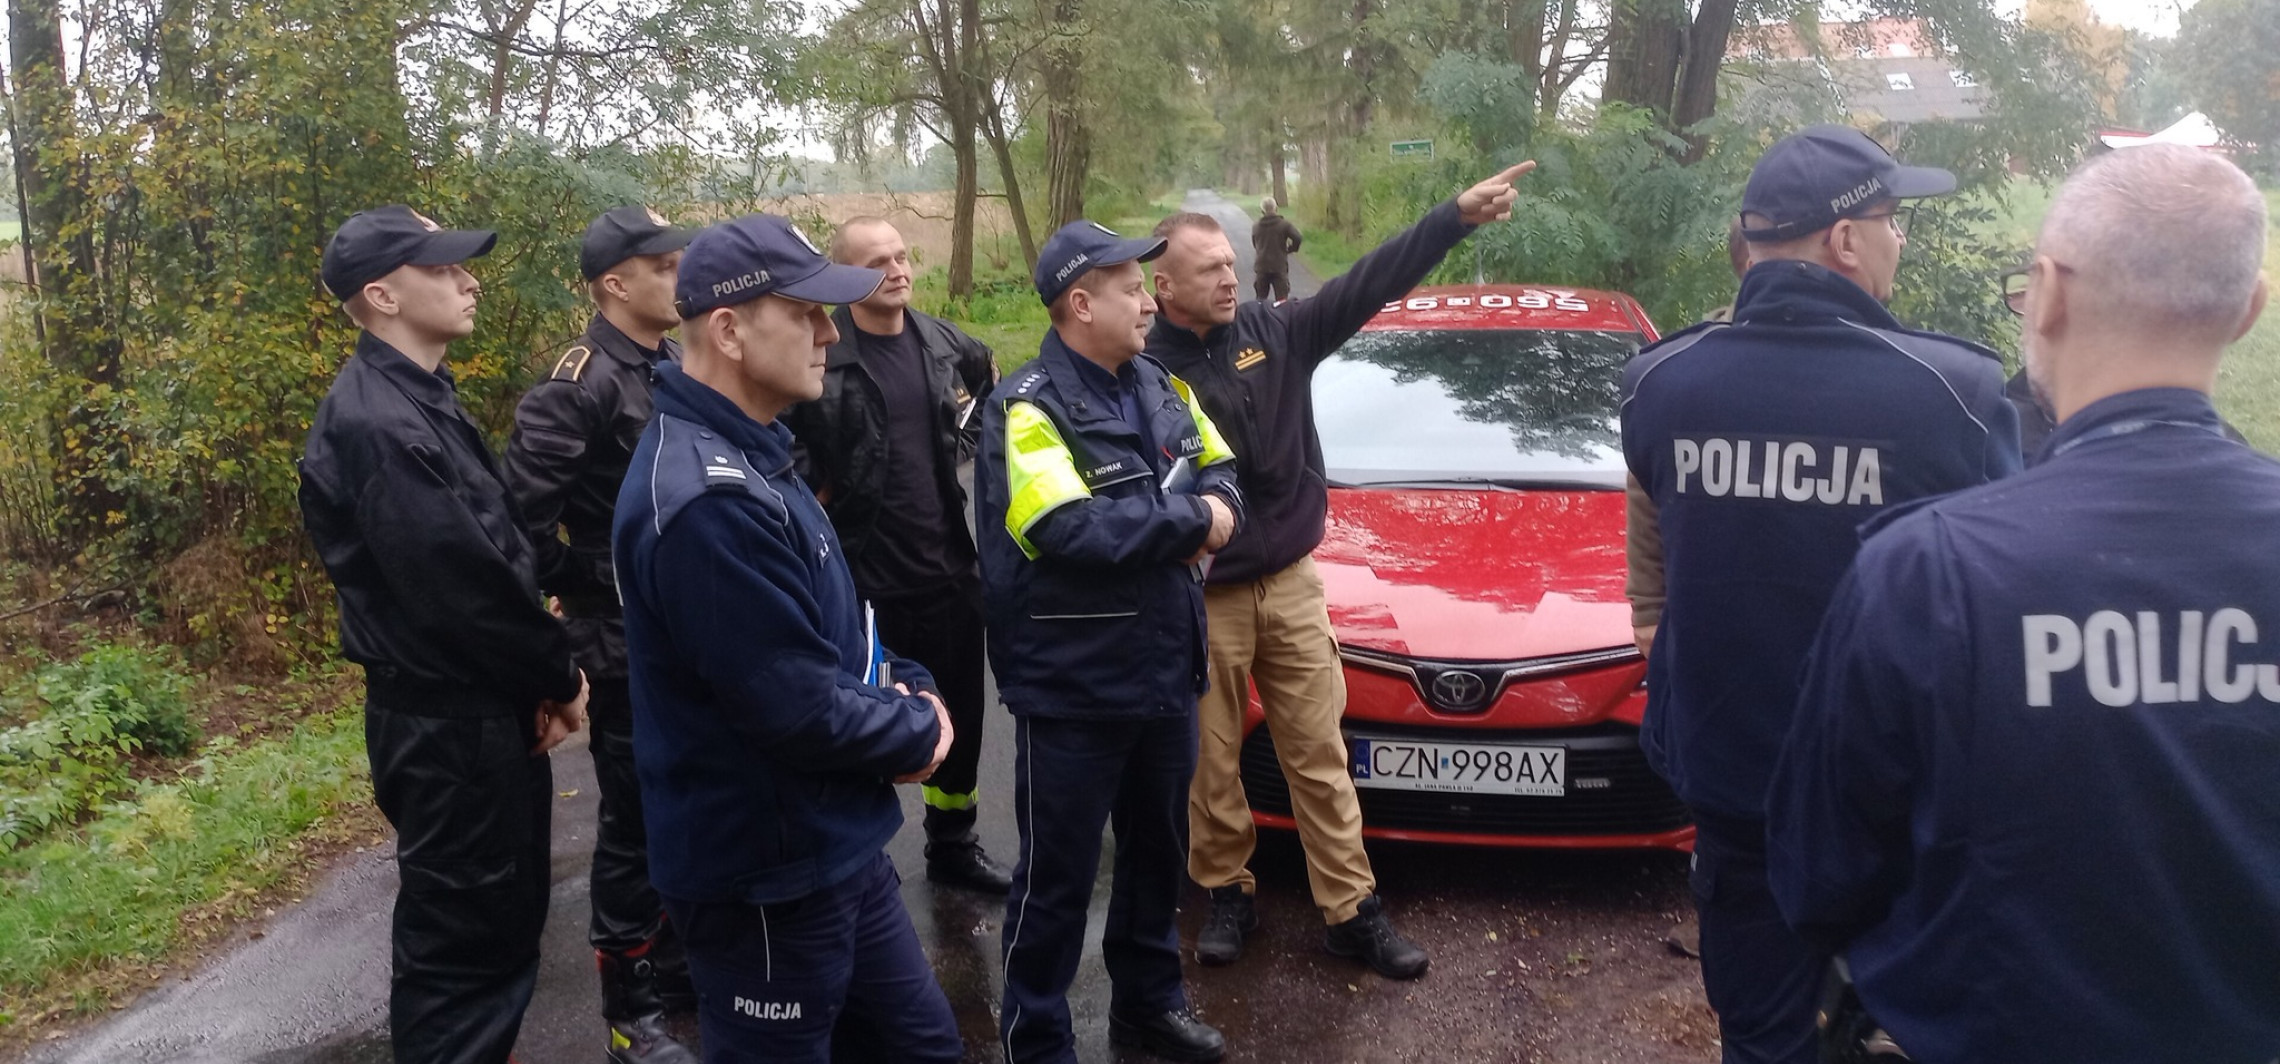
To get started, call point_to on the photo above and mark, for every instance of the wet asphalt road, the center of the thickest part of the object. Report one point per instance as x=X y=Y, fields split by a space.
x=1536 y=957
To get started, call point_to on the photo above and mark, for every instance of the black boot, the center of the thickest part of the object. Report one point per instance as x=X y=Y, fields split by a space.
x=635 y=1013
x=1233 y=914
x=671 y=964
x=1174 y=1035
x=954 y=854
x=1370 y=938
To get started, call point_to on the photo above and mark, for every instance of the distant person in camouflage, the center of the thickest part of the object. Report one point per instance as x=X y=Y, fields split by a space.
x=1273 y=239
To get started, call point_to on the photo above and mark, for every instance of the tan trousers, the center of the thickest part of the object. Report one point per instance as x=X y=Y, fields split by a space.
x=1276 y=633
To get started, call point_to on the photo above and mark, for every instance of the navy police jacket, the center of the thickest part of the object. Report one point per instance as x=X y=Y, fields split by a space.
x=2032 y=790
x=1764 y=444
x=1085 y=532
x=765 y=758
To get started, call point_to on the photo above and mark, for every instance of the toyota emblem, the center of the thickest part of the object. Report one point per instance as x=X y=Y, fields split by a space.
x=1458 y=689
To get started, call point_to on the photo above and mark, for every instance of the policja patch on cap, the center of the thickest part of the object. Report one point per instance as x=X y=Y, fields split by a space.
x=625 y=233
x=759 y=255
x=1812 y=178
x=1085 y=245
x=375 y=243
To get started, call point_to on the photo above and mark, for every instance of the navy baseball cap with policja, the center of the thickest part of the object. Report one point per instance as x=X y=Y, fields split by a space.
x=1081 y=246
x=375 y=243
x=625 y=233
x=1813 y=178
x=763 y=255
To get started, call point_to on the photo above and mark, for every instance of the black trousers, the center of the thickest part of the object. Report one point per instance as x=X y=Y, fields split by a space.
x=471 y=808
x=1279 y=283
x=627 y=912
x=1763 y=981
x=1071 y=778
x=836 y=977
x=942 y=630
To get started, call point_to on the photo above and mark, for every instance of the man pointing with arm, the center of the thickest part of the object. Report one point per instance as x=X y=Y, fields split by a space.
x=1252 y=365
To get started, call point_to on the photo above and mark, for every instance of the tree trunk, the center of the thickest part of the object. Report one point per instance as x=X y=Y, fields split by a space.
x=956 y=48
x=1068 y=136
x=553 y=65
x=1697 y=97
x=503 y=56
x=993 y=130
x=1644 y=42
x=1524 y=35
x=82 y=346
x=1281 y=167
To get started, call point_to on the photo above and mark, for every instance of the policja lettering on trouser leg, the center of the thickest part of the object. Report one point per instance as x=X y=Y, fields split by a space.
x=836 y=977
x=770 y=744
x=573 y=440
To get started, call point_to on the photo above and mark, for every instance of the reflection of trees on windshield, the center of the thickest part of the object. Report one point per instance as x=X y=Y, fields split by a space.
x=1556 y=390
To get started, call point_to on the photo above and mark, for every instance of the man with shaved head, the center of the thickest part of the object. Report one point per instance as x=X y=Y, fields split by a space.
x=882 y=446
x=2029 y=789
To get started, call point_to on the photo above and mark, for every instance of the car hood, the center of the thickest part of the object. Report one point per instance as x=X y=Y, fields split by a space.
x=1475 y=575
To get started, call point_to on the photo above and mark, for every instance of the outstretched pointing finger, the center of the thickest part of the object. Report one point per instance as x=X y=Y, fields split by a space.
x=1512 y=173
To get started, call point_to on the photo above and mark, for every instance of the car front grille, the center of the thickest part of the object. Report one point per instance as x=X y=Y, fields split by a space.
x=1634 y=801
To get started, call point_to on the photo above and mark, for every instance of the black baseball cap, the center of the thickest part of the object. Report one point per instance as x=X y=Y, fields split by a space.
x=759 y=255
x=373 y=244
x=1082 y=246
x=625 y=233
x=1817 y=175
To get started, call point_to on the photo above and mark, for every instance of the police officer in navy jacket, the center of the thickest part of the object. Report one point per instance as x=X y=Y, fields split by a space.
x=1764 y=443
x=769 y=742
x=1103 y=488
x=2030 y=792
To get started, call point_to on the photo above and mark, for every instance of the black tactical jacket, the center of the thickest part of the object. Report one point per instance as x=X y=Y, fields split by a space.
x=574 y=434
x=842 y=448
x=438 y=591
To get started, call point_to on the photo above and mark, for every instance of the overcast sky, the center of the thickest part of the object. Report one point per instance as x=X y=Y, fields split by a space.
x=2157 y=17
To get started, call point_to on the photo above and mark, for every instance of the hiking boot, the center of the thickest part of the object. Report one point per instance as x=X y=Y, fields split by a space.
x=958 y=861
x=1370 y=938
x=1233 y=914
x=634 y=1010
x=1173 y=1035
x=644 y=1041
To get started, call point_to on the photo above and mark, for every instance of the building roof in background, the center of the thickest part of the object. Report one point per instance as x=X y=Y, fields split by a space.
x=1886 y=70
x=2194 y=130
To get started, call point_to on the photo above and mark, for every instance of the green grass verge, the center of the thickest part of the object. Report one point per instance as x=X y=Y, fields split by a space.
x=117 y=889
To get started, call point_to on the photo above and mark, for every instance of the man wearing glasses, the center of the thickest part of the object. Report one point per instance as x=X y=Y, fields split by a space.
x=1763 y=444
x=2035 y=420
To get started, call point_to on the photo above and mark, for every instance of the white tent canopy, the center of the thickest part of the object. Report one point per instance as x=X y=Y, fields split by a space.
x=2194 y=131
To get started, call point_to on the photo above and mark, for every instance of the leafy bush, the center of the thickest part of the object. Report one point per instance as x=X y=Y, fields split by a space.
x=119 y=888
x=101 y=710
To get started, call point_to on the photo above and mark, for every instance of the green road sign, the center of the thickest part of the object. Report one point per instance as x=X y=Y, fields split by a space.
x=1412 y=149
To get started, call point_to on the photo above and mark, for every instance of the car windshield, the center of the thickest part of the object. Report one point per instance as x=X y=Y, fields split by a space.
x=1501 y=407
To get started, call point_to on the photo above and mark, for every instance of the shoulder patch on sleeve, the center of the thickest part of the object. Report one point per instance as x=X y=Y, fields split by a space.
x=1025 y=383
x=572 y=364
x=694 y=461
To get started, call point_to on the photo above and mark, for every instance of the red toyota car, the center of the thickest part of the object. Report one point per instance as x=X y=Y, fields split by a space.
x=1474 y=570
